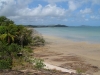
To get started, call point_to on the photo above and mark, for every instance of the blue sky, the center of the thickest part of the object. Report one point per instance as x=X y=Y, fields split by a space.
x=47 y=12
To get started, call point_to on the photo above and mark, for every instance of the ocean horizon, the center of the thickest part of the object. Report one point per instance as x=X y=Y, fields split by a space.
x=89 y=34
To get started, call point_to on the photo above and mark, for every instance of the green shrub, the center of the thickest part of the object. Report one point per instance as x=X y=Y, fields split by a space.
x=28 y=49
x=79 y=71
x=37 y=40
x=38 y=63
x=5 y=64
x=7 y=54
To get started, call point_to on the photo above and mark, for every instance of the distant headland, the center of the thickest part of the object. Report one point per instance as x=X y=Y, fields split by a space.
x=40 y=26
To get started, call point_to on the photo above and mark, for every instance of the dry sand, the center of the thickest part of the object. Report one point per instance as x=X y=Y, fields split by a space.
x=69 y=54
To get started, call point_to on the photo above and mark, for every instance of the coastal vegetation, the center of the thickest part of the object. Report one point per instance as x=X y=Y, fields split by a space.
x=17 y=57
x=15 y=43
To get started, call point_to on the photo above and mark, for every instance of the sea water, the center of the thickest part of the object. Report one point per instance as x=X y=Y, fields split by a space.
x=82 y=33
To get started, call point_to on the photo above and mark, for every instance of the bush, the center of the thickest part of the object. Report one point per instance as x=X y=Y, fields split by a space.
x=5 y=64
x=7 y=53
x=37 y=40
x=38 y=63
x=79 y=71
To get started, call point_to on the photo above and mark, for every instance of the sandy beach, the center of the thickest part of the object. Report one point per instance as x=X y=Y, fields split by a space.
x=81 y=56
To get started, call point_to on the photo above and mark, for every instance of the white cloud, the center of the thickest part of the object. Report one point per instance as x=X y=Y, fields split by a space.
x=94 y=17
x=14 y=9
x=10 y=7
x=95 y=1
x=30 y=12
x=40 y=11
x=53 y=10
x=7 y=7
x=86 y=11
x=55 y=1
x=22 y=3
x=72 y=6
x=19 y=11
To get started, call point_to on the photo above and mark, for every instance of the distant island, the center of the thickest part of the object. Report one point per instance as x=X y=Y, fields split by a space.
x=84 y=25
x=39 y=26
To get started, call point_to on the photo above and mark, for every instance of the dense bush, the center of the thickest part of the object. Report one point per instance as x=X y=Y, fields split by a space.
x=13 y=42
x=12 y=39
x=5 y=64
x=7 y=54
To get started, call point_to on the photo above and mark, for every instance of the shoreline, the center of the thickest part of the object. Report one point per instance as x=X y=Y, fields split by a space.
x=58 y=47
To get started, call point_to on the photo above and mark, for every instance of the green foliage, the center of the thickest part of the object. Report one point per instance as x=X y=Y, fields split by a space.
x=2 y=29
x=8 y=33
x=9 y=48
x=37 y=40
x=15 y=39
x=7 y=53
x=12 y=33
x=5 y=21
x=5 y=64
x=38 y=63
x=28 y=49
x=79 y=71
x=26 y=36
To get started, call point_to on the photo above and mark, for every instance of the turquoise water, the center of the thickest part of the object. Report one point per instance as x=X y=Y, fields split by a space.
x=88 y=34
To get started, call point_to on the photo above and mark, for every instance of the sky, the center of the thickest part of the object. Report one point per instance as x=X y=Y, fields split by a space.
x=47 y=12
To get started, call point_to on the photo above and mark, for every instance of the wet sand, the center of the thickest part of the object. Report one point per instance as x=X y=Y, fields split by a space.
x=61 y=52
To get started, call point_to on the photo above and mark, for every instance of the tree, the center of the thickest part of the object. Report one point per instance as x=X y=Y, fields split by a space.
x=2 y=29
x=8 y=33
x=7 y=53
x=13 y=38
x=5 y=21
x=26 y=37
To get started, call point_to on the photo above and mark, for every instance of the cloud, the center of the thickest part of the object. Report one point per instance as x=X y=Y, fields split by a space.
x=22 y=3
x=86 y=11
x=7 y=7
x=94 y=17
x=95 y=1
x=55 y=1
x=72 y=5
x=29 y=12
x=20 y=12
x=10 y=7
x=49 y=10
x=53 y=10
x=99 y=11
x=40 y=11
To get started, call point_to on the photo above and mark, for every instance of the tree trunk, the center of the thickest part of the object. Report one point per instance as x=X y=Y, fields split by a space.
x=22 y=41
x=8 y=40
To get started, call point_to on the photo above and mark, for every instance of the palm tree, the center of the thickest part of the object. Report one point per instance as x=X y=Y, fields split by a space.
x=23 y=36
x=7 y=37
x=9 y=34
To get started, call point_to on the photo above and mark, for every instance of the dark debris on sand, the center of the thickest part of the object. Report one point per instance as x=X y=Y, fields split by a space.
x=34 y=72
